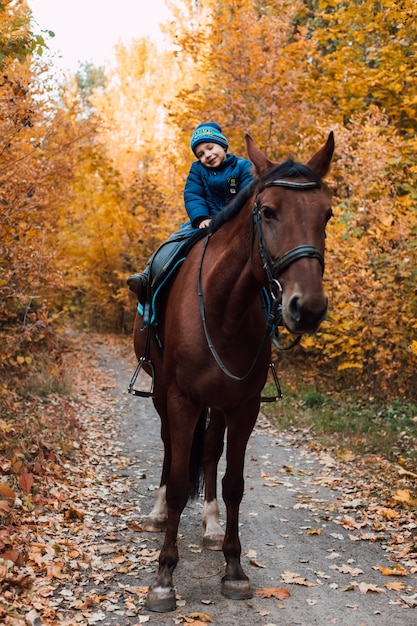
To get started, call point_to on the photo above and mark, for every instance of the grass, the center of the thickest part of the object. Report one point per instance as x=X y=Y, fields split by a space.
x=348 y=420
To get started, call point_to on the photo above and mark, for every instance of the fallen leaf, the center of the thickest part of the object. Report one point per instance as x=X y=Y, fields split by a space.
x=346 y=455
x=411 y=601
x=389 y=514
x=295 y=579
x=337 y=536
x=252 y=556
x=26 y=481
x=4 y=507
x=365 y=587
x=394 y=586
x=395 y=570
x=201 y=617
x=13 y=555
x=74 y=514
x=7 y=492
x=272 y=592
x=352 y=504
x=402 y=495
x=346 y=569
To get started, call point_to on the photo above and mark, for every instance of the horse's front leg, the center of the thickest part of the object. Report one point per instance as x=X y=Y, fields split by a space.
x=235 y=583
x=161 y=593
x=213 y=449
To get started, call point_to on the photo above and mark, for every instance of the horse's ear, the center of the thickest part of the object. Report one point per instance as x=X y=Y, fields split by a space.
x=260 y=161
x=320 y=162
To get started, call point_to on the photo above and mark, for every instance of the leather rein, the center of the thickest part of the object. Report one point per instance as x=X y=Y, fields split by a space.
x=273 y=270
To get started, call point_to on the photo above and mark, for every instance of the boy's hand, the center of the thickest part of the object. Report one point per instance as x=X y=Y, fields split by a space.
x=204 y=223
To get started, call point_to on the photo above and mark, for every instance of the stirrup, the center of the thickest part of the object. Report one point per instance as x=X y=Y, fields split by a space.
x=278 y=395
x=139 y=392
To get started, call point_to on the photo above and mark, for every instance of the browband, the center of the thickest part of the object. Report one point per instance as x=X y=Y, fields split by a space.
x=291 y=184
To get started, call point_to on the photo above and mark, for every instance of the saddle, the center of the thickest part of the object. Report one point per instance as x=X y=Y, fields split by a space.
x=163 y=266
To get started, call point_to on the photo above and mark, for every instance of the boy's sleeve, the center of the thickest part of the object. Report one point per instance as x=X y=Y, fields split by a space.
x=247 y=173
x=194 y=200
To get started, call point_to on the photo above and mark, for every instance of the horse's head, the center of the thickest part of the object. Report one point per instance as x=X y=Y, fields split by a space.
x=291 y=212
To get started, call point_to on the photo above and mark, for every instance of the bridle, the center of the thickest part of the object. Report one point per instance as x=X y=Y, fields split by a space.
x=273 y=270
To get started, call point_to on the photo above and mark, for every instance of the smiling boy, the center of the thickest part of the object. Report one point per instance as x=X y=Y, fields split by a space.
x=213 y=180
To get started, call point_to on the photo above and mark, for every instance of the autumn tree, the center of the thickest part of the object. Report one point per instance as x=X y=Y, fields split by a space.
x=240 y=76
x=143 y=146
x=36 y=160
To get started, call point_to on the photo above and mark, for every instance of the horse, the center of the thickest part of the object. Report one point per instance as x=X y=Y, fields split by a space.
x=211 y=360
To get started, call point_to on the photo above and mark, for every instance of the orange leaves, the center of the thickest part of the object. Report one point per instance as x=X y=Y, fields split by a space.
x=404 y=497
x=7 y=492
x=395 y=570
x=26 y=481
x=7 y=498
x=273 y=592
x=395 y=586
x=199 y=618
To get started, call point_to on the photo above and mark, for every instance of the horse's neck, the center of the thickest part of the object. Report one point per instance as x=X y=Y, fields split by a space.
x=229 y=278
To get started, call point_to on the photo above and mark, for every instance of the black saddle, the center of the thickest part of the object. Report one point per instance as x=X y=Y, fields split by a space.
x=163 y=266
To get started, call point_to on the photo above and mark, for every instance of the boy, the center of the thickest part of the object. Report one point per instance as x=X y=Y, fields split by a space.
x=212 y=182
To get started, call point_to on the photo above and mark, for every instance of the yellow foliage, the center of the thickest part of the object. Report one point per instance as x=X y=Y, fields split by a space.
x=91 y=187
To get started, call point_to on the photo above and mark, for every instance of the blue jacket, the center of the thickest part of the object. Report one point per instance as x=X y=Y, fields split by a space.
x=207 y=191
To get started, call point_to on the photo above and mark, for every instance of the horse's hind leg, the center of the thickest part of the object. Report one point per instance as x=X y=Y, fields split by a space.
x=157 y=519
x=213 y=449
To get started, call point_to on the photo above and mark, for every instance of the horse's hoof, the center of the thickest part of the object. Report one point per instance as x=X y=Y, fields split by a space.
x=161 y=600
x=213 y=542
x=236 y=589
x=155 y=525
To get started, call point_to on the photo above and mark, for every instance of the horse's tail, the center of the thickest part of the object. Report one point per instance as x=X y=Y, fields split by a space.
x=196 y=457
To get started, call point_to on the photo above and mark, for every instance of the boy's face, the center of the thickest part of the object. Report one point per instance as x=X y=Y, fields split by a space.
x=210 y=154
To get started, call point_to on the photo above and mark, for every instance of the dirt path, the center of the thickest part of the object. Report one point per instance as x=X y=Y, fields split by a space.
x=299 y=528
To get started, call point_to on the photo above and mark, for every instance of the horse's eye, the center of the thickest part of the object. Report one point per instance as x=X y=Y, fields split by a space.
x=329 y=215
x=268 y=214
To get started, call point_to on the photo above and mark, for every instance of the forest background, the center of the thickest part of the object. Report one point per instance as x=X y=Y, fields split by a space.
x=92 y=171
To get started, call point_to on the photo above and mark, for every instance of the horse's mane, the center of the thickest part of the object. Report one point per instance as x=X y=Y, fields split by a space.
x=287 y=169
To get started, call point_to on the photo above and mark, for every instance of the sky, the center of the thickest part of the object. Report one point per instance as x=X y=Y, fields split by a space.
x=87 y=30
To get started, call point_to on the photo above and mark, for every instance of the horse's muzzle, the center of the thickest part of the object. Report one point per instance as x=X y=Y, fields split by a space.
x=304 y=315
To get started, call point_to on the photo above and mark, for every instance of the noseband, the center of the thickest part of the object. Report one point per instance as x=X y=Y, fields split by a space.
x=273 y=268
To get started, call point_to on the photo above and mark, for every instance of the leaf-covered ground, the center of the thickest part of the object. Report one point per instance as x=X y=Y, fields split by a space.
x=72 y=547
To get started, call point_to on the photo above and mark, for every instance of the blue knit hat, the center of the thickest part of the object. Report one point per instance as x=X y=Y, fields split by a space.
x=209 y=132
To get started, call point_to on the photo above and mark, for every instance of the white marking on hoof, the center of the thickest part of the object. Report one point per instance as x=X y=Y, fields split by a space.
x=213 y=532
x=156 y=520
x=161 y=599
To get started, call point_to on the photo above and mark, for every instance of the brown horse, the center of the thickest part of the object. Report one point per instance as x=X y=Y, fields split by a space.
x=216 y=340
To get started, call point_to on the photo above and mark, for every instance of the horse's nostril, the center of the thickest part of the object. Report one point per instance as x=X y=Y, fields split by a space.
x=307 y=313
x=294 y=308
